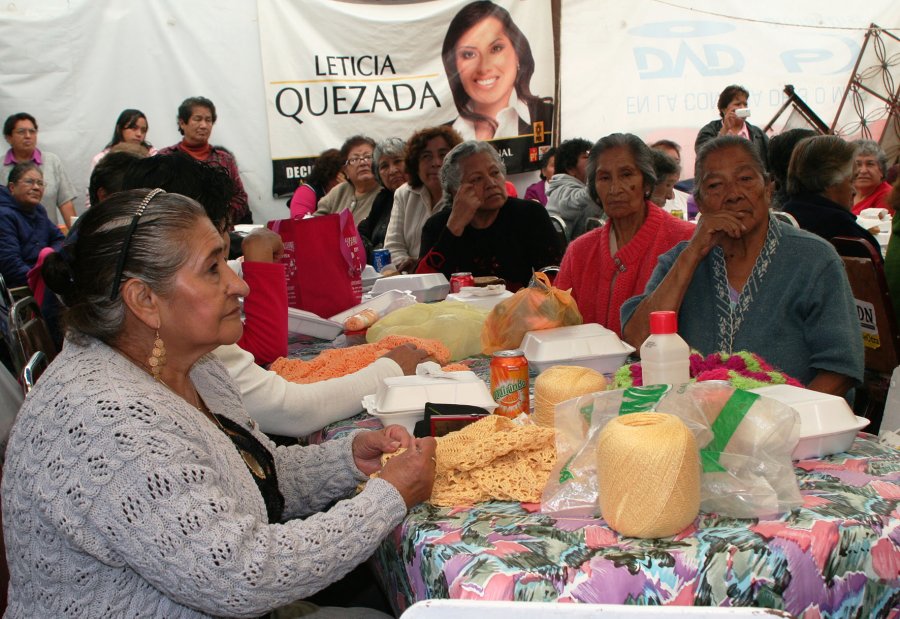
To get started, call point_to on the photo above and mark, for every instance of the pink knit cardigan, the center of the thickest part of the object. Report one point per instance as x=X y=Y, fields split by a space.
x=600 y=282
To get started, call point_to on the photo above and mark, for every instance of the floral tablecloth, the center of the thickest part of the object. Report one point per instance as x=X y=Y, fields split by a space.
x=837 y=556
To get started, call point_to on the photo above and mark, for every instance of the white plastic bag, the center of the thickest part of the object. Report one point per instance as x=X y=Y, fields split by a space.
x=745 y=442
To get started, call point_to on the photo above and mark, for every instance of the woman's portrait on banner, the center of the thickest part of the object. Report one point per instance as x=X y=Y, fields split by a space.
x=489 y=65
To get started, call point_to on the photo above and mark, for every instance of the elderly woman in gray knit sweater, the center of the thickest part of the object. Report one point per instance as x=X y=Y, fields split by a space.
x=135 y=484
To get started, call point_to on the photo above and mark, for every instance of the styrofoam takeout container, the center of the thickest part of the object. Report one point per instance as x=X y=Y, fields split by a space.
x=368 y=277
x=402 y=399
x=245 y=229
x=589 y=345
x=485 y=298
x=307 y=323
x=427 y=287
x=827 y=423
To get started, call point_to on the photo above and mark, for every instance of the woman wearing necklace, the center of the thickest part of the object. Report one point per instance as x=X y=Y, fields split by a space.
x=134 y=457
x=746 y=281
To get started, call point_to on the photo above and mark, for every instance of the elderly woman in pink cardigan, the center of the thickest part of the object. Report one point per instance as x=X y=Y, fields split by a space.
x=610 y=264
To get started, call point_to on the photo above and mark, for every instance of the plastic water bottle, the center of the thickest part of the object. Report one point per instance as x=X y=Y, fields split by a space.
x=665 y=357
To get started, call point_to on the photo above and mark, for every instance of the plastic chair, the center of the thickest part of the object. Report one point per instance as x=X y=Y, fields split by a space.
x=592 y=223
x=560 y=226
x=29 y=333
x=878 y=323
x=33 y=370
x=786 y=218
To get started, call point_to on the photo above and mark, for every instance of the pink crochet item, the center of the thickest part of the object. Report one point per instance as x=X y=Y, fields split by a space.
x=742 y=369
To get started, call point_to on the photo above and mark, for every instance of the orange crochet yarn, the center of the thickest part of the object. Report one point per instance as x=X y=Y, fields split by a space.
x=336 y=362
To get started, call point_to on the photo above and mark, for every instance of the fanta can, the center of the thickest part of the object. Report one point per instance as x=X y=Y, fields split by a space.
x=509 y=383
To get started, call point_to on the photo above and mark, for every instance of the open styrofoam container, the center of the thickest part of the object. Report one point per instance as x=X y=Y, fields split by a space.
x=307 y=323
x=245 y=229
x=381 y=304
x=368 y=277
x=485 y=298
x=426 y=287
x=589 y=345
x=402 y=399
x=827 y=423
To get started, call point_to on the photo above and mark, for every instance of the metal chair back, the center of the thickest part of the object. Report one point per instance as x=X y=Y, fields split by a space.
x=29 y=333
x=33 y=370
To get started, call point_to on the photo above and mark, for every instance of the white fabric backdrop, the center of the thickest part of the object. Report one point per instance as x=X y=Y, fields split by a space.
x=75 y=64
x=656 y=67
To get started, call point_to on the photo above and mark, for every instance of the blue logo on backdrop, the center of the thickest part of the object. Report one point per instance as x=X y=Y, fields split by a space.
x=713 y=59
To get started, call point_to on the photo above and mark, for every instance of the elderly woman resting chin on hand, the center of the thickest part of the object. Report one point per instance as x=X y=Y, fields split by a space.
x=150 y=485
x=483 y=230
x=746 y=281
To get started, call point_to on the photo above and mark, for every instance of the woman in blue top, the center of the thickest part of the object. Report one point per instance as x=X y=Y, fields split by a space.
x=746 y=281
x=25 y=228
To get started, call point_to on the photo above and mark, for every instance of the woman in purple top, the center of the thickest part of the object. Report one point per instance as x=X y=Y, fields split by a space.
x=538 y=191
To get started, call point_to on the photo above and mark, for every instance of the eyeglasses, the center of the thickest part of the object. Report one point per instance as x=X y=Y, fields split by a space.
x=25 y=131
x=34 y=182
x=367 y=159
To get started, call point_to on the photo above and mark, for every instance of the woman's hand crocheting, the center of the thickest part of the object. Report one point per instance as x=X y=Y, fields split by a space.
x=369 y=446
x=408 y=356
x=412 y=472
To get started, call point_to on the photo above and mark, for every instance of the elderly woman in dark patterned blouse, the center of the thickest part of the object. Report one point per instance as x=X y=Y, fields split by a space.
x=746 y=281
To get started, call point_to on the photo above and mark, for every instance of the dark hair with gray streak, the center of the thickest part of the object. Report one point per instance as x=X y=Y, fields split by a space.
x=871 y=148
x=390 y=147
x=82 y=273
x=819 y=163
x=643 y=159
x=451 y=170
x=721 y=143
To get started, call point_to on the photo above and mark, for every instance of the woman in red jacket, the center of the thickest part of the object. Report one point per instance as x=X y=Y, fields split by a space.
x=608 y=265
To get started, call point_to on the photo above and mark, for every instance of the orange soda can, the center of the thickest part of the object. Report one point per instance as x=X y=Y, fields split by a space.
x=509 y=383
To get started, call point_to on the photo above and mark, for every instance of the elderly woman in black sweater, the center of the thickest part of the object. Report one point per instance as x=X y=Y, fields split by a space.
x=483 y=230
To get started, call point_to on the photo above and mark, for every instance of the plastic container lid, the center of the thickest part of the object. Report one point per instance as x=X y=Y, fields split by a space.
x=588 y=345
x=827 y=423
x=410 y=393
x=663 y=323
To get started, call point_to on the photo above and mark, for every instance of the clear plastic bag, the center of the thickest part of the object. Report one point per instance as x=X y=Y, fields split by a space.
x=539 y=306
x=457 y=325
x=745 y=443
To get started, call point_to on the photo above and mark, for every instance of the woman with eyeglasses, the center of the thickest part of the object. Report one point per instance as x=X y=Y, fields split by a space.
x=25 y=228
x=21 y=132
x=358 y=192
x=135 y=482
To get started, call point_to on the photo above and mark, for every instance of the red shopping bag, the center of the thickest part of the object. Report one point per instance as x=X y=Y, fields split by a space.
x=324 y=259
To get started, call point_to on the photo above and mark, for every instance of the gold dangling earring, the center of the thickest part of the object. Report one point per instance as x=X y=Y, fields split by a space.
x=157 y=357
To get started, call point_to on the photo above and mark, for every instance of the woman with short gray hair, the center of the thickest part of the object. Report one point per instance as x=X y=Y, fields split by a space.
x=869 y=172
x=389 y=165
x=820 y=190
x=482 y=230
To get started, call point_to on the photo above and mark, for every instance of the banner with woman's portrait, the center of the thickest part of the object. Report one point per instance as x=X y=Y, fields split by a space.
x=384 y=70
